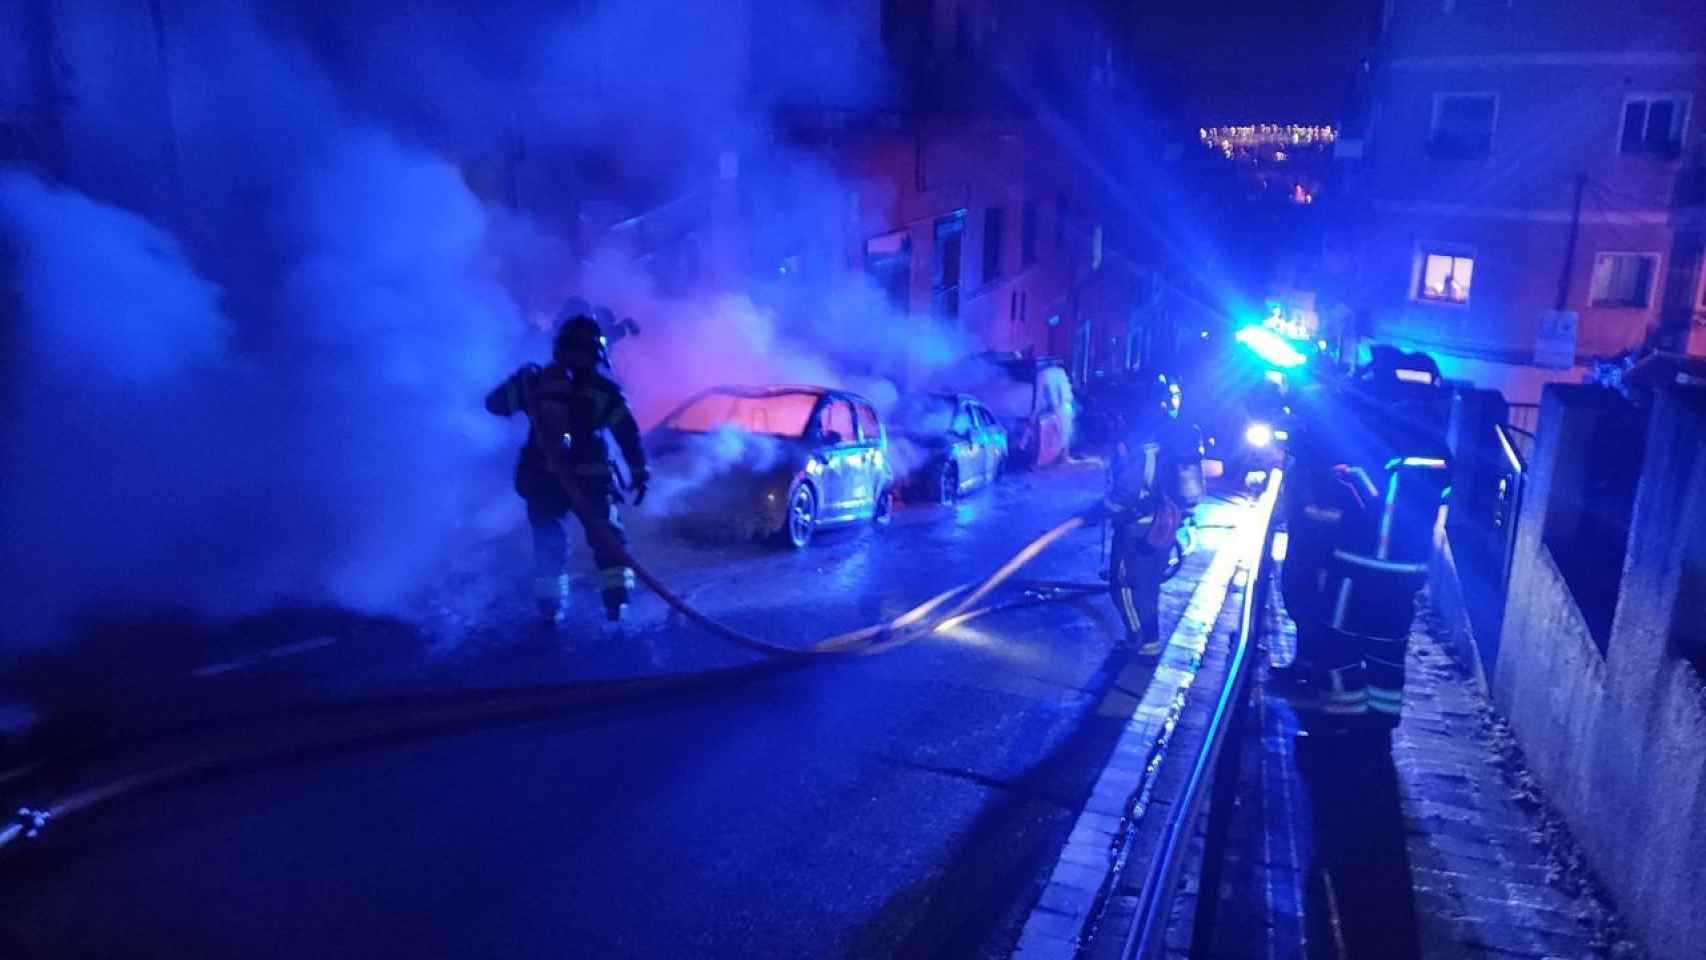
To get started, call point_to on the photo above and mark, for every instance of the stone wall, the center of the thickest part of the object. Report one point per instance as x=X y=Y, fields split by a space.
x=1618 y=739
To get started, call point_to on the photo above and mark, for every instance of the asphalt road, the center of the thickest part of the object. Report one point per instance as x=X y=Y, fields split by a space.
x=908 y=804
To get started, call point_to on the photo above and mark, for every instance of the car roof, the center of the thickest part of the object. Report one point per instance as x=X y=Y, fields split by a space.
x=767 y=390
x=778 y=389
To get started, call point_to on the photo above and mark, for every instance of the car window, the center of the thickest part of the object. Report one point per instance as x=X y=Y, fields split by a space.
x=837 y=416
x=962 y=419
x=924 y=414
x=870 y=431
x=781 y=415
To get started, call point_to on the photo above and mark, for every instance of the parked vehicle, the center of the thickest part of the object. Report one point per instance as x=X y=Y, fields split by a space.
x=778 y=461
x=1030 y=396
x=948 y=445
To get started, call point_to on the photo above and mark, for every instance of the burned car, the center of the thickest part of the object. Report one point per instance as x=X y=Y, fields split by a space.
x=774 y=462
x=947 y=445
x=1031 y=397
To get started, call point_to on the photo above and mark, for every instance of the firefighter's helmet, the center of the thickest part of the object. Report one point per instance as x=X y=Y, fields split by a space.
x=580 y=343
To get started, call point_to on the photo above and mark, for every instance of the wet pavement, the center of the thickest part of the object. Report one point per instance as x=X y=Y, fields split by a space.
x=1438 y=846
x=911 y=803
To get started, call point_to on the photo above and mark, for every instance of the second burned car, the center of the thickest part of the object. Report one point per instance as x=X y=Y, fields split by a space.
x=775 y=461
x=947 y=445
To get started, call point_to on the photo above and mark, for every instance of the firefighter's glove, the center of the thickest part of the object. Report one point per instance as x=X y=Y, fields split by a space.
x=641 y=483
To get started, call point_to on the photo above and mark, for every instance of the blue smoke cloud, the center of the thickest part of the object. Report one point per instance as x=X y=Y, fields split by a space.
x=257 y=317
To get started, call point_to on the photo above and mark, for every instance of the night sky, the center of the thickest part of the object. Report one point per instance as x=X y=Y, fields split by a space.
x=1241 y=61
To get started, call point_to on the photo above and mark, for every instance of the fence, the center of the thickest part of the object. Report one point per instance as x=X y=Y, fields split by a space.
x=1215 y=765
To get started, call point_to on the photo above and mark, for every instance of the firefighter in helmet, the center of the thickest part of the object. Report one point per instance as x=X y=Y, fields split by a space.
x=1154 y=480
x=1370 y=466
x=574 y=411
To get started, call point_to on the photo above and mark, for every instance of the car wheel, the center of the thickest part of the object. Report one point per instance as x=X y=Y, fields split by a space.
x=883 y=513
x=948 y=483
x=801 y=522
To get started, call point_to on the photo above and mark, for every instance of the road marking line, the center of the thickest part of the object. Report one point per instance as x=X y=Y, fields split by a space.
x=1150 y=721
x=254 y=659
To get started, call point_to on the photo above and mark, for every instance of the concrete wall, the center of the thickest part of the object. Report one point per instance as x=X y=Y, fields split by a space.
x=1618 y=741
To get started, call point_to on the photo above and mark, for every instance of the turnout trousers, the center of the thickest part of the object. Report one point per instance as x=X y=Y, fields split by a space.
x=548 y=505
x=1135 y=582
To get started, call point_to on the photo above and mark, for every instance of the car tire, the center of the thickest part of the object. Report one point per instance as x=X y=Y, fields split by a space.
x=882 y=514
x=948 y=483
x=801 y=520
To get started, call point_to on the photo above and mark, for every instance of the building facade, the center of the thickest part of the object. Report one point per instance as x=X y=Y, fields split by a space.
x=1531 y=187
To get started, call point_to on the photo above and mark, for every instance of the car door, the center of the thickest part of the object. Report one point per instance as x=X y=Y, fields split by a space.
x=876 y=468
x=993 y=440
x=839 y=451
x=968 y=457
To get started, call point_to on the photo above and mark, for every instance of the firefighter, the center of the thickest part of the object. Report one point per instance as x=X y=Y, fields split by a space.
x=574 y=410
x=1369 y=470
x=1154 y=480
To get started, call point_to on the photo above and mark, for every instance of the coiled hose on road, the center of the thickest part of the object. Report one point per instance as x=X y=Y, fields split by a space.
x=346 y=723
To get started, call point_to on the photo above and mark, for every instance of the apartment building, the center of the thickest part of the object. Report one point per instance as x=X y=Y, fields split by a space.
x=1531 y=191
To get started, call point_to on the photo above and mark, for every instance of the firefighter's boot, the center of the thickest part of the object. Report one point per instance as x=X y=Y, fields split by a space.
x=551 y=597
x=618 y=583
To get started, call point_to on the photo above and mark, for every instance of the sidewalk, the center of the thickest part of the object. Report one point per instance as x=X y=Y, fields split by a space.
x=1491 y=871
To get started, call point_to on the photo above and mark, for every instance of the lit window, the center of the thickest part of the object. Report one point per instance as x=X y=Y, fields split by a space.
x=1653 y=125
x=1623 y=279
x=1463 y=125
x=1445 y=278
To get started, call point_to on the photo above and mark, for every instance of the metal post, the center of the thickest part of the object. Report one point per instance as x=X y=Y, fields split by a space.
x=1570 y=245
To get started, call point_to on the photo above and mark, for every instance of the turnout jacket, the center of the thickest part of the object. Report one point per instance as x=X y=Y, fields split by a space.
x=574 y=416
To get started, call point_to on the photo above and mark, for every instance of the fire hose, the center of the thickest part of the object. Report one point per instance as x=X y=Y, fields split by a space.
x=347 y=724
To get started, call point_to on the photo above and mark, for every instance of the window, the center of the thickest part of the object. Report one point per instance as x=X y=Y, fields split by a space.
x=1028 y=234
x=945 y=278
x=1623 y=279
x=888 y=259
x=962 y=421
x=837 y=417
x=1653 y=125
x=779 y=415
x=993 y=222
x=1445 y=277
x=870 y=429
x=1463 y=125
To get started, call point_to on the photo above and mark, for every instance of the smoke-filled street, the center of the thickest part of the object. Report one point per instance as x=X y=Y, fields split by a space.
x=906 y=803
x=889 y=478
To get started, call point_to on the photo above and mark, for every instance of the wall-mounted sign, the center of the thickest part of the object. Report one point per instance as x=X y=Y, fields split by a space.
x=1556 y=345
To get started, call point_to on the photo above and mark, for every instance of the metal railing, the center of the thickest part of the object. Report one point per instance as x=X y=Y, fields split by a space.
x=1518 y=448
x=1214 y=765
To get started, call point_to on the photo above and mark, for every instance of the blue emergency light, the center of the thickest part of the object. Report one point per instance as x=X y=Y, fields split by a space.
x=1271 y=347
